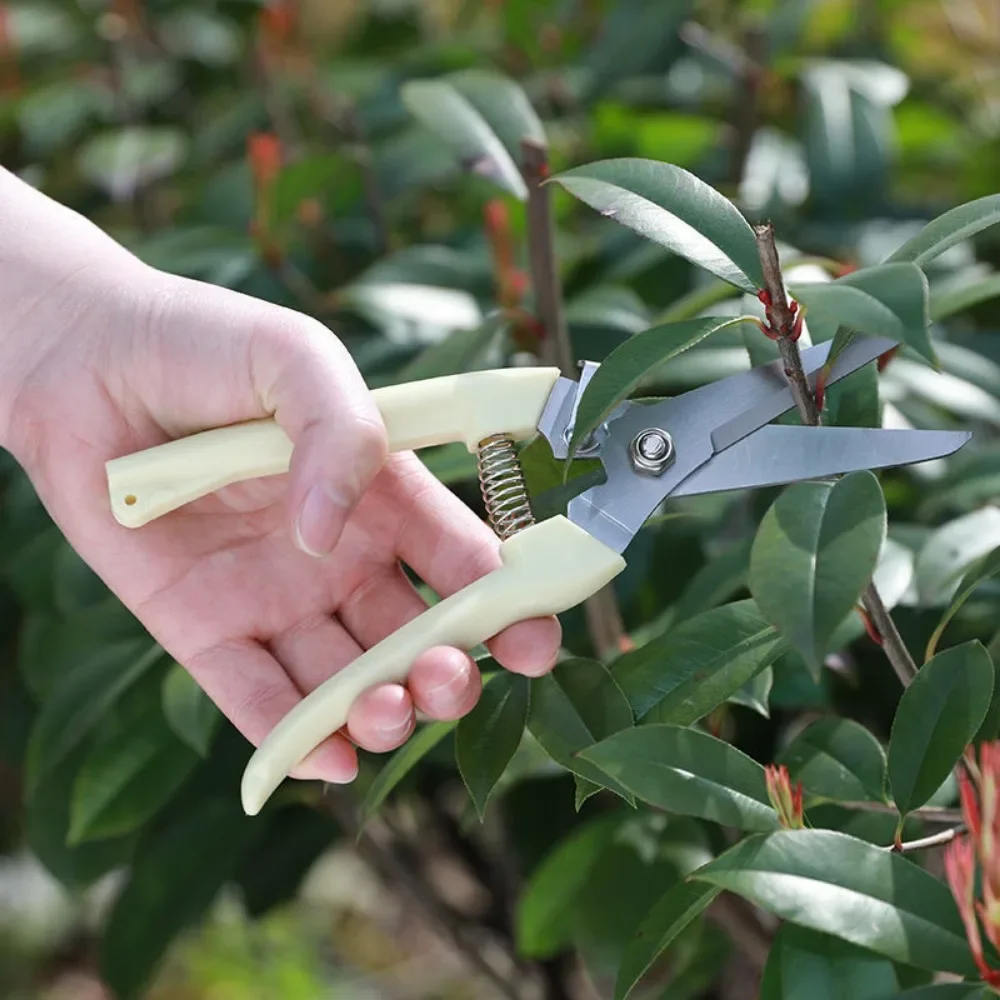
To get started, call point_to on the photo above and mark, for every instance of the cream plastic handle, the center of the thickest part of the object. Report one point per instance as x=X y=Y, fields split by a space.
x=547 y=568
x=467 y=408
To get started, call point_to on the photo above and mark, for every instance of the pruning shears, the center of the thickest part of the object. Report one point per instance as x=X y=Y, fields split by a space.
x=715 y=438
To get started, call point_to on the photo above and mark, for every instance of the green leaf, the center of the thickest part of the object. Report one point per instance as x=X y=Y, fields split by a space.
x=947 y=991
x=190 y=712
x=682 y=675
x=127 y=777
x=545 y=907
x=675 y=910
x=852 y=890
x=174 y=877
x=837 y=759
x=834 y=302
x=451 y=115
x=756 y=693
x=981 y=570
x=804 y=963
x=576 y=705
x=951 y=550
x=956 y=297
x=126 y=159
x=626 y=366
x=953 y=227
x=935 y=721
x=458 y=352
x=216 y=254
x=814 y=554
x=672 y=207
x=399 y=766
x=687 y=772
x=488 y=736
x=80 y=700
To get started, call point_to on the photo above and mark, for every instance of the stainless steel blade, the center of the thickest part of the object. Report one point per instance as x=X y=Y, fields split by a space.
x=777 y=454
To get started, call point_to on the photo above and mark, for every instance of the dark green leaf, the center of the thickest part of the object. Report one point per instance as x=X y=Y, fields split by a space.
x=626 y=366
x=217 y=254
x=981 y=570
x=954 y=226
x=682 y=675
x=453 y=117
x=687 y=772
x=814 y=554
x=576 y=705
x=947 y=991
x=717 y=581
x=488 y=736
x=128 y=775
x=671 y=206
x=80 y=700
x=837 y=759
x=545 y=908
x=936 y=720
x=852 y=890
x=838 y=303
x=399 y=766
x=192 y=715
x=854 y=401
x=174 y=877
x=459 y=352
x=756 y=693
x=952 y=550
x=804 y=963
x=675 y=910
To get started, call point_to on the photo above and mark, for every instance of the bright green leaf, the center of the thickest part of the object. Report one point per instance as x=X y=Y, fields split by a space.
x=675 y=910
x=852 y=890
x=682 y=675
x=953 y=227
x=192 y=715
x=626 y=366
x=488 y=736
x=453 y=117
x=814 y=554
x=688 y=772
x=935 y=721
x=576 y=705
x=837 y=759
x=672 y=207
x=803 y=963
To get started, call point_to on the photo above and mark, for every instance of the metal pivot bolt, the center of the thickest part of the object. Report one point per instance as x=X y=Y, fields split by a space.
x=652 y=451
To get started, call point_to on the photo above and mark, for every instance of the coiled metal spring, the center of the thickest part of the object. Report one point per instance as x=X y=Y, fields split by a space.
x=502 y=484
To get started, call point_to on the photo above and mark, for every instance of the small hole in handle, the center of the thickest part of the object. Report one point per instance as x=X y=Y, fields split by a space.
x=131 y=500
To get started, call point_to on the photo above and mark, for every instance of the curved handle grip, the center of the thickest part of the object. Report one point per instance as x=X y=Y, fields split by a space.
x=467 y=408
x=547 y=568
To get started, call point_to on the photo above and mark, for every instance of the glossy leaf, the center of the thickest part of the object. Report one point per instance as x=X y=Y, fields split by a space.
x=833 y=302
x=576 y=705
x=192 y=715
x=981 y=570
x=459 y=352
x=454 y=118
x=626 y=366
x=400 y=764
x=672 y=207
x=935 y=721
x=675 y=911
x=688 y=772
x=804 y=963
x=545 y=907
x=952 y=550
x=837 y=759
x=682 y=675
x=953 y=227
x=756 y=693
x=127 y=777
x=488 y=736
x=852 y=890
x=80 y=700
x=174 y=877
x=814 y=553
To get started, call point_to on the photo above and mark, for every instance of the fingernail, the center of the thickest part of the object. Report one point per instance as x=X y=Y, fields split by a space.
x=397 y=731
x=318 y=523
x=444 y=695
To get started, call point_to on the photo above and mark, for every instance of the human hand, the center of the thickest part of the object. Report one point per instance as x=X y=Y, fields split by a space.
x=265 y=589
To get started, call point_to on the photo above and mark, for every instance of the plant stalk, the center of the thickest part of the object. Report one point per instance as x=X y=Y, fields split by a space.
x=604 y=620
x=805 y=402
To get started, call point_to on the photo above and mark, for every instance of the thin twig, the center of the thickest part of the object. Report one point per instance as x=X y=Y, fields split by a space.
x=938 y=839
x=745 y=108
x=892 y=642
x=604 y=619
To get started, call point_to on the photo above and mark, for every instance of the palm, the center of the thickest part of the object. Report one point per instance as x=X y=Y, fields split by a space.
x=222 y=586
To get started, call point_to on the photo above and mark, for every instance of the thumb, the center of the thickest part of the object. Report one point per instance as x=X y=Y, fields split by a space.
x=305 y=376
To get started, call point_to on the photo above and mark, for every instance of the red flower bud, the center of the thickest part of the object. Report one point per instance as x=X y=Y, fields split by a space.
x=787 y=801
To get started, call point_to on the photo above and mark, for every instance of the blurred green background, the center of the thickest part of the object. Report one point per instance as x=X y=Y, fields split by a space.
x=265 y=147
